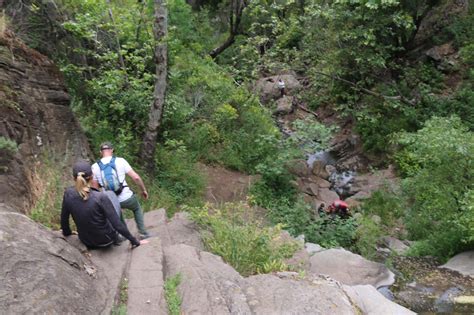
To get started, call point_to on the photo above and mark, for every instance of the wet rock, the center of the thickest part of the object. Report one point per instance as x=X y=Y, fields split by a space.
x=350 y=269
x=462 y=263
x=429 y=288
x=319 y=170
x=267 y=88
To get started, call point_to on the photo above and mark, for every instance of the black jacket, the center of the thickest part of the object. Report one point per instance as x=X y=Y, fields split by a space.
x=95 y=218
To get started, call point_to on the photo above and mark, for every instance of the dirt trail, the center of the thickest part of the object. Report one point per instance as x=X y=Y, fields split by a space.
x=224 y=185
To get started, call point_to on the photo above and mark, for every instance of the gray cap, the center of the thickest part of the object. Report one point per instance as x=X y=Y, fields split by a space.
x=82 y=166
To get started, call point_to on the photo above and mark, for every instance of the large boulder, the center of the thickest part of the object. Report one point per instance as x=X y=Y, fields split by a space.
x=209 y=286
x=40 y=273
x=269 y=294
x=267 y=88
x=284 y=105
x=350 y=269
x=327 y=196
x=462 y=263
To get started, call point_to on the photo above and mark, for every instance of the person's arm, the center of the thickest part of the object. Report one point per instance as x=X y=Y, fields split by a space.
x=95 y=174
x=65 y=218
x=112 y=216
x=138 y=180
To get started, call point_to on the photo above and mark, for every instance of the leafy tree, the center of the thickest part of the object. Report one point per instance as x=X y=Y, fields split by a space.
x=439 y=166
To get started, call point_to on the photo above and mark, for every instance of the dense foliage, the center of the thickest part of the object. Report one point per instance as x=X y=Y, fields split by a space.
x=365 y=59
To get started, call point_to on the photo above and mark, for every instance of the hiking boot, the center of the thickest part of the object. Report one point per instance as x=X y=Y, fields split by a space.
x=144 y=236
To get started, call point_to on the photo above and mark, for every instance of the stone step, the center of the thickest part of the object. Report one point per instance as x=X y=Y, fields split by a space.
x=145 y=280
x=111 y=266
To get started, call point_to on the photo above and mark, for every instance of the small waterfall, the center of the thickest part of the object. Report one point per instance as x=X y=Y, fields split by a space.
x=341 y=182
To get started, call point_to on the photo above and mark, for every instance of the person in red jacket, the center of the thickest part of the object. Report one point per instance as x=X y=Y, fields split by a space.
x=340 y=208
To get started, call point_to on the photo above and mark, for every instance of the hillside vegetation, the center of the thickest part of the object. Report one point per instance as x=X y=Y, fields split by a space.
x=401 y=71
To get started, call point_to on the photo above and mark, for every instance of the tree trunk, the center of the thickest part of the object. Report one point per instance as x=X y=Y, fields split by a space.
x=160 y=31
x=236 y=9
x=117 y=42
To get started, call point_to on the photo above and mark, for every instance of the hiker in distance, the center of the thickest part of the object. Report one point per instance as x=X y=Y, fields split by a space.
x=281 y=87
x=109 y=173
x=96 y=219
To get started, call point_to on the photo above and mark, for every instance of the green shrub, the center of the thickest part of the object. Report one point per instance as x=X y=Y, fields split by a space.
x=439 y=188
x=386 y=204
x=242 y=242
x=177 y=174
x=367 y=234
x=8 y=145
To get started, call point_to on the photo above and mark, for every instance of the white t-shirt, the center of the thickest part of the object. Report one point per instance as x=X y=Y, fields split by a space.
x=281 y=85
x=122 y=167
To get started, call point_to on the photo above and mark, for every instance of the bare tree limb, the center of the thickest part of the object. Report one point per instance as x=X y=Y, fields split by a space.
x=236 y=9
x=367 y=91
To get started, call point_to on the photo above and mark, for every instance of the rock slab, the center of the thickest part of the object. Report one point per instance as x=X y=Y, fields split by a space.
x=350 y=269
x=40 y=273
x=371 y=302
x=145 y=280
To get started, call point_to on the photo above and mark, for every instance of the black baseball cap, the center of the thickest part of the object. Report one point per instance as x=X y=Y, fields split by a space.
x=106 y=146
x=82 y=166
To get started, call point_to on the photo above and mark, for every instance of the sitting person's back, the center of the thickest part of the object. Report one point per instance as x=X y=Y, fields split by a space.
x=96 y=219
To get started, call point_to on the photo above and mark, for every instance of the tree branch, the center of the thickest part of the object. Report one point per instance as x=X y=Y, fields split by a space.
x=369 y=92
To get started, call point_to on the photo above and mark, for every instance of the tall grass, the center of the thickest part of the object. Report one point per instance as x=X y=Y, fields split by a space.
x=173 y=300
x=241 y=241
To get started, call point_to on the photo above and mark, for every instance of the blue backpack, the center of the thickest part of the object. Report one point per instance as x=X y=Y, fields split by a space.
x=110 y=179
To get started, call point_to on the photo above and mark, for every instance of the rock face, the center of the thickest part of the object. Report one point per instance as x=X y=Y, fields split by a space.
x=42 y=274
x=35 y=115
x=462 y=263
x=267 y=88
x=437 y=19
x=350 y=269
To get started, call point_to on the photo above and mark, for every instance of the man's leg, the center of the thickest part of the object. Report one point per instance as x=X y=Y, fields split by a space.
x=133 y=204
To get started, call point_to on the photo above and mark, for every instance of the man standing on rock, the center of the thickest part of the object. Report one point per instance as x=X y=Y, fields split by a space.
x=109 y=169
x=281 y=87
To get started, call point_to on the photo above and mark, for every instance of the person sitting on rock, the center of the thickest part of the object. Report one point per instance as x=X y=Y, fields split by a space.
x=93 y=213
x=340 y=208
